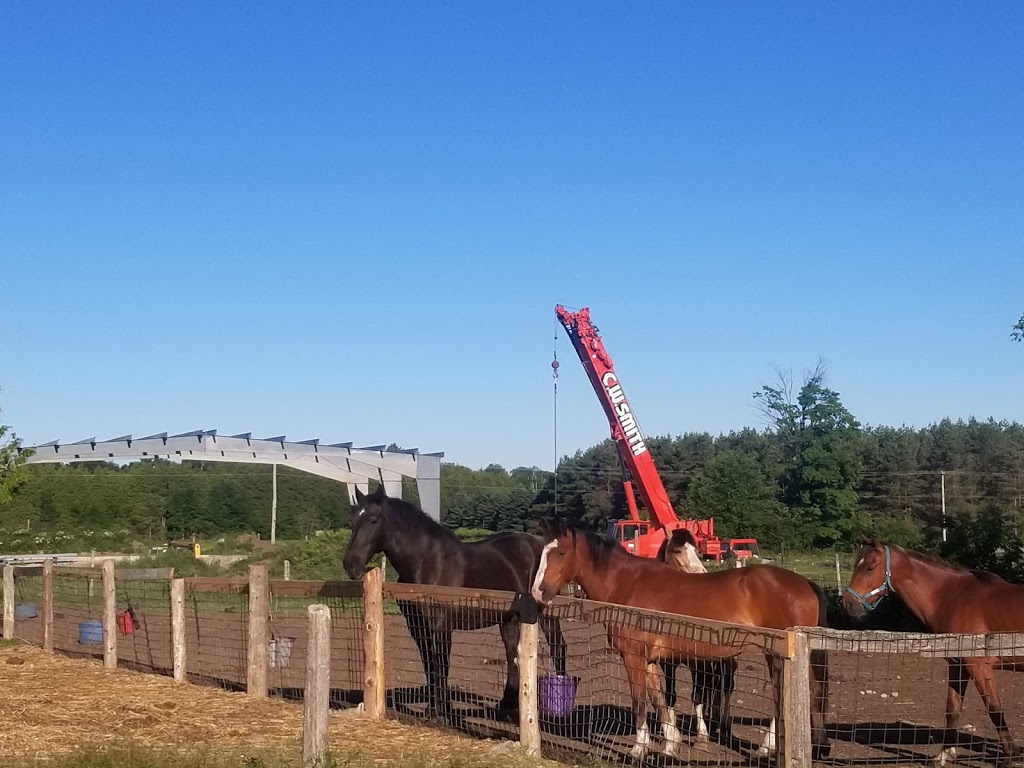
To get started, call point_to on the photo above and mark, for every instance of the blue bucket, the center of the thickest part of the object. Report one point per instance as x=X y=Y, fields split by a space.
x=557 y=694
x=90 y=633
x=26 y=611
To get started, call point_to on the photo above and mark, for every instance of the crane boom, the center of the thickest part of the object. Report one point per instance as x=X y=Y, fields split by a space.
x=629 y=438
x=637 y=462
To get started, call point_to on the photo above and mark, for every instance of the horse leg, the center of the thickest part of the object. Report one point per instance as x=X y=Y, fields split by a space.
x=958 y=680
x=442 y=654
x=552 y=629
x=724 y=675
x=510 y=637
x=983 y=672
x=669 y=669
x=666 y=714
x=422 y=635
x=775 y=671
x=636 y=672
x=820 y=746
x=700 y=688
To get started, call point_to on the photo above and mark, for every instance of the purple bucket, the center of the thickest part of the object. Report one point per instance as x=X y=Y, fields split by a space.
x=557 y=694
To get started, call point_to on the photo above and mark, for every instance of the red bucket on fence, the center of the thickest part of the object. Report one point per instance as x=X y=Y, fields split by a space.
x=126 y=622
x=557 y=694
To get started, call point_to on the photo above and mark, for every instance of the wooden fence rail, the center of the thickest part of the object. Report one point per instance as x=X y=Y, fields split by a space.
x=792 y=647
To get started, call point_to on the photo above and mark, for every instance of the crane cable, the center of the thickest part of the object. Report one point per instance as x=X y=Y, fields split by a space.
x=554 y=378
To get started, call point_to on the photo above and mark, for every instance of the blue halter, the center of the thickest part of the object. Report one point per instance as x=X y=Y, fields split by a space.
x=881 y=590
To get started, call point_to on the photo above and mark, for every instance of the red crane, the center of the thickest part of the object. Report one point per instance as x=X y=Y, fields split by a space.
x=641 y=537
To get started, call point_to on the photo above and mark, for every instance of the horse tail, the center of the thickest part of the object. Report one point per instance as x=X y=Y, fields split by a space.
x=822 y=604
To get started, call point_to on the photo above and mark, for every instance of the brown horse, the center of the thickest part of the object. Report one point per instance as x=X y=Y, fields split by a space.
x=711 y=681
x=946 y=598
x=764 y=596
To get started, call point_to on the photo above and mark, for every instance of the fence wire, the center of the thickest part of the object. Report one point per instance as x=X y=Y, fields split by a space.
x=144 y=625
x=78 y=614
x=590 y=712
x=28 y=605
x=889 y=698
x=217 y=634
x=288 y=640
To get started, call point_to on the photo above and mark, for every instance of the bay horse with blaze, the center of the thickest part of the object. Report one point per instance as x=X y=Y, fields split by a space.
x=946 y=598
x=763 y=596
x=422 y=551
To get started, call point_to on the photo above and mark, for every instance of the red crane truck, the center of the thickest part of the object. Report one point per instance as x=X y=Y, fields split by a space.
x=641 y=537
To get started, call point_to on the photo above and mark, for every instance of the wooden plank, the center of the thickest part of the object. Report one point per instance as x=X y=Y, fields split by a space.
x=9 y=600
x=109 y=616
x=448 y=595
x=529 y=717
x=178 y=629
x=259 y=614
x=217 y=585
x=78 y=571
x=316 y=705
x=373 y=644
x=25 y=571
x=145 y=574
x=48 y=606
x=340 y=589
x=1004 y=644
x=794 y=727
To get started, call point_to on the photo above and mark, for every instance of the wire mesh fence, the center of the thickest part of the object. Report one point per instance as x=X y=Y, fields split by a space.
x=143 y=608
x=591 y=711
x=216 y=631
x=288 y=638
x=890 y=692
x=28 y=604
x=78 y=612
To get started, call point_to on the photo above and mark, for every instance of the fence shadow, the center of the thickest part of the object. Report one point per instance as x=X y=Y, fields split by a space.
x=894 y=737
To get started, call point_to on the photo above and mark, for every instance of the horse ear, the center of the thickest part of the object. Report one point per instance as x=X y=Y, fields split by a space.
x=359 y=496
x=380 y=494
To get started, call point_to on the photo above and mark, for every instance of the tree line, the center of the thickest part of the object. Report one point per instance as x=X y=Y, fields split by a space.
x=811 y=477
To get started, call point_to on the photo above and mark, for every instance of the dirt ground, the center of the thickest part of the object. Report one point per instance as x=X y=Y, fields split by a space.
x=53 y=705
x=884 y=709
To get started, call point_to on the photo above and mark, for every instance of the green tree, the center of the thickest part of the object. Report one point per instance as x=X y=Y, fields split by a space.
x=1018 y=330
x=821 y=451
x=732 y=489
x=11 y=459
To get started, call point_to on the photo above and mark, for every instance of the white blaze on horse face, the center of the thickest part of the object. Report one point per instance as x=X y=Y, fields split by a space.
x=768 y=745
x=541 y=569
x=692 y=559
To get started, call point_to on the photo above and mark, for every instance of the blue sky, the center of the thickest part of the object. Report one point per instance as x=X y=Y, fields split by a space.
x=353 y=222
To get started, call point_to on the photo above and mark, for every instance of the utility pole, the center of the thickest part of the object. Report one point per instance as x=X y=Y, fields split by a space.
x=942 y=474
x=273 y=511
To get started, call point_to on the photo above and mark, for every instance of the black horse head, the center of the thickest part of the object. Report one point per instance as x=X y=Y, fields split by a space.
x=369 y=523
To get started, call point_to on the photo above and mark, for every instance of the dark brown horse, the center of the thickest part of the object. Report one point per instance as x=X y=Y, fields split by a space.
x=946 y=598
x=422 y=551
x=711 y=681
x=764 y=596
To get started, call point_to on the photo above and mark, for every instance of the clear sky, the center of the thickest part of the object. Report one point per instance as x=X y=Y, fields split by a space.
x=353 y=221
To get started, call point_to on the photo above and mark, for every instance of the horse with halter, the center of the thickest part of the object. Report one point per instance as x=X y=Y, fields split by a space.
x=711 y=681
x=764 y=596
x=946 y=598
x=422 y=551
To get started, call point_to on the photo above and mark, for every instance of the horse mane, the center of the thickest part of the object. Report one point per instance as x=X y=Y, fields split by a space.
x=941 y=562
x=411 y=518
x=601 y=547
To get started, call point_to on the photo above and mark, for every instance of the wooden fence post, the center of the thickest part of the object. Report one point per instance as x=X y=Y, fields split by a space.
x=109 y=616
x=287 y=570
x=9 y=602
x=795 y=728
x=373 y=644
x=48 y=606
x=526 y=654
x=317 y=696
x=259 y=615
x=178 y=628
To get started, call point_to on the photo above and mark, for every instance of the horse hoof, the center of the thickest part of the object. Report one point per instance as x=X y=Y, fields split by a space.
x=945 y=756
x=820 y=751
x=702 y=744
x=637 y=753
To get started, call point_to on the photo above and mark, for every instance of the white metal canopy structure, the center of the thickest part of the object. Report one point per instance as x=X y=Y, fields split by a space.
x=339 y=461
